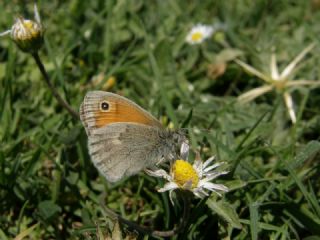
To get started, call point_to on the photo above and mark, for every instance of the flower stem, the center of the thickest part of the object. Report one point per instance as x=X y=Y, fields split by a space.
x=147 y=230
x=54 y=91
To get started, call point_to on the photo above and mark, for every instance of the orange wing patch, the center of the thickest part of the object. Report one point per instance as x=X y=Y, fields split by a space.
x=120 y=111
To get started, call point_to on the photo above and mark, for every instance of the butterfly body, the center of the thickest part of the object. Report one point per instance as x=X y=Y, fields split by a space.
x=123 y=138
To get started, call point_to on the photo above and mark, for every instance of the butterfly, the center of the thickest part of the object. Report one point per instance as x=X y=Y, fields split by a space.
x=123 y=138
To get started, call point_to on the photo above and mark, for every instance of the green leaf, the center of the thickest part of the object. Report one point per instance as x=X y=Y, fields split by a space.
x=226 y=211
x=47 y=209
x=309 y=151
x=162 y=53
x=254 y=217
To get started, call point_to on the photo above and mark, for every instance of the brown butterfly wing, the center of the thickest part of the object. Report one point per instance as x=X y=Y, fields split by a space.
x=121 y=149
x=120 y=109
x=124 y=138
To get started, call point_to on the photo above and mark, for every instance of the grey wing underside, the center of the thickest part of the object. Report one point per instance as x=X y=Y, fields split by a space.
x=124 y=149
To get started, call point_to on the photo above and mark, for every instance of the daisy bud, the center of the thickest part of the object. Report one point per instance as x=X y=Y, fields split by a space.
x=27 y=34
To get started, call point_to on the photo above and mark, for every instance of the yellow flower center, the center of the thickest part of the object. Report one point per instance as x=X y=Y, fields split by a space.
x=32 y=29
x=197 y=36
x=183 y=173
x=28 y=24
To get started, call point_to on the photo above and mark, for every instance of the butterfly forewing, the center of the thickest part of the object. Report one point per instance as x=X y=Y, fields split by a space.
x=119 y=109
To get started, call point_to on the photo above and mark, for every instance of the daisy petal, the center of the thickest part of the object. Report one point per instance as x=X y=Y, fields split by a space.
x=158 y=173
x=36 y=14
x=213 y=166
x=303 y=82
x=168 y=186
x=254 y=93
x=289 y=69
x=273 y=67
x=213 y=187
x=184 y=150
x=289 y=104
x=204 y=193
x=219 y=194
x=252 y=70
x=198 y=165
x=208 y=161
x=5 y=33
x=200 y=193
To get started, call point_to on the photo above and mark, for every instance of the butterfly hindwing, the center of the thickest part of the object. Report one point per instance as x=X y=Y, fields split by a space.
x=122 y=149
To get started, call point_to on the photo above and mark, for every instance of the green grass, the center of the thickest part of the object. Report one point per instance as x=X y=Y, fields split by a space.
x=49 y=188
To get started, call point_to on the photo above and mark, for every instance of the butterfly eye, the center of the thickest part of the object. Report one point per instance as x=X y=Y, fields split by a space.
x=104 y=106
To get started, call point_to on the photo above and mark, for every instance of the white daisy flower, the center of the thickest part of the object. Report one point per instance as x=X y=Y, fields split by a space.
x=199 y=33
x=195 y=178
x=282 y=82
